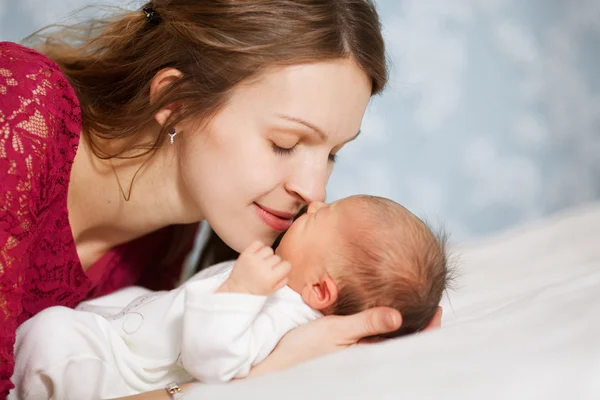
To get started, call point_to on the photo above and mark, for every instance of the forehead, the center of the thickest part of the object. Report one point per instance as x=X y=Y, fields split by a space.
x=349 y=205
x=357 y=223
x=332 y=95
x=349 y=216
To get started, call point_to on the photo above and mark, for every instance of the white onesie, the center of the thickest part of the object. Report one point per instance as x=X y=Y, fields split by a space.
x=136 y=340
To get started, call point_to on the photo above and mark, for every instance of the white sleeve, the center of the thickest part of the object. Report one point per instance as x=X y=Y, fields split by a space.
x=225 y=334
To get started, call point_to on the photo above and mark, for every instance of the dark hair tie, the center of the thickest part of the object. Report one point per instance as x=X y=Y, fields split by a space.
x=151 y=16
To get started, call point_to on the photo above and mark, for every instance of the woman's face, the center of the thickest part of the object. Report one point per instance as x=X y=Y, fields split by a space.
x=271 y=149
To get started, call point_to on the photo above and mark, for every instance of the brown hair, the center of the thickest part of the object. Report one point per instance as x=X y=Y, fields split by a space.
x=216 y=44
x=391 y=258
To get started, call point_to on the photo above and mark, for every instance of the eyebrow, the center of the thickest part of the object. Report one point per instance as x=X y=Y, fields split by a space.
x=318 y=131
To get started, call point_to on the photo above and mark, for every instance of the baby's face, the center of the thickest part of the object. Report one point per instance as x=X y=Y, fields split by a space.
x=309 y=242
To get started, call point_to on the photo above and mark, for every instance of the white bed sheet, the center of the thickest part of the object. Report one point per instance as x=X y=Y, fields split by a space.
x=524 y=323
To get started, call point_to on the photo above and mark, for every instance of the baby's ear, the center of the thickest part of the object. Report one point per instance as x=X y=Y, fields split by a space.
x=436 y=321
x=322 y=294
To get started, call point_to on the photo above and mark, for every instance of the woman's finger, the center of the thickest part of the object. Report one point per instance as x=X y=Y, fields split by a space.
x=371 y=322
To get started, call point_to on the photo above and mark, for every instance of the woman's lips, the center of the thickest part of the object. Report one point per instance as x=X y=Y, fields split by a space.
x=276 y=220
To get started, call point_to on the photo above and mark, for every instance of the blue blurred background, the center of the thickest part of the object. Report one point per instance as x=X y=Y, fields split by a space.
x=492 y=117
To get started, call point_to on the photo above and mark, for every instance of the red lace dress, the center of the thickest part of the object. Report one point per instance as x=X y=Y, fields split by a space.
x=40 y=123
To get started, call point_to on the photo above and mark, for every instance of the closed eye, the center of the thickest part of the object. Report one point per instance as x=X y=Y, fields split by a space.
x=283 y=150
x=289 y=150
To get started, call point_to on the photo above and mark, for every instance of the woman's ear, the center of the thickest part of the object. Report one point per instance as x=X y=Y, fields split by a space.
x=322 y=294
x=160 y=82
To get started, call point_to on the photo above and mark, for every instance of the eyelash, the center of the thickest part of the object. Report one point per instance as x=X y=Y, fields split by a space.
x=282 y=151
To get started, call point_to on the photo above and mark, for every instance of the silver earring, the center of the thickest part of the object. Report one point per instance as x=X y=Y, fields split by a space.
x=172 y=135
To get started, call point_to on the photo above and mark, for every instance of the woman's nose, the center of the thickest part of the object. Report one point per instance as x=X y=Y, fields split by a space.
x=309 y=184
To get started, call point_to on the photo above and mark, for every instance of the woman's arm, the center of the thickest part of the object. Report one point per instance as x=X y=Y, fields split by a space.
x=26 y=83
x=327 y=335
x=331 y=334
x=10 y=303
x=160 y=394
x=317 y=338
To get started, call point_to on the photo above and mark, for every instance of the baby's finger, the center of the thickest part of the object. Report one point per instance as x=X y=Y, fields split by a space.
x=281 y=270
x=272 y=260
x=281 y=284
x=265 y=252
x=255 y=246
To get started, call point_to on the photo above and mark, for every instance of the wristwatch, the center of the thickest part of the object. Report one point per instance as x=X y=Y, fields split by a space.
x=174 y=391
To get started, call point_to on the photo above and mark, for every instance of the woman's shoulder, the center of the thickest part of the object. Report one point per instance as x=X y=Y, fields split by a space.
x=22 y=61
x=27 y=76
x=28 y=57
x=39 y=109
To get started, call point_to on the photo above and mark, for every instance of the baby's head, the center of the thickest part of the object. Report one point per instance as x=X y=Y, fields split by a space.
x=362 y=252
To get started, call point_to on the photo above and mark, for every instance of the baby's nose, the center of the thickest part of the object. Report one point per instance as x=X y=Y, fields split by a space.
x=315 y=206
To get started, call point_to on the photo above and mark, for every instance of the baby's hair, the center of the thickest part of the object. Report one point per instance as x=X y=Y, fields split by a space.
x=391 y=258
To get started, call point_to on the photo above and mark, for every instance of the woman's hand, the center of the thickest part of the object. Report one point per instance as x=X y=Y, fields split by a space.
x=332 y=333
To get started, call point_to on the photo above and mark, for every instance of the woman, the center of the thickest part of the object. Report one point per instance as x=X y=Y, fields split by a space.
x=128 y=131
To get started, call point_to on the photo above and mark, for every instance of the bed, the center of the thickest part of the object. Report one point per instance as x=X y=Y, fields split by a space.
x=522 y=323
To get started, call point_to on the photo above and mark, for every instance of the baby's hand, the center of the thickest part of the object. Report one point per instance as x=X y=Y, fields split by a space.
x=258 y=270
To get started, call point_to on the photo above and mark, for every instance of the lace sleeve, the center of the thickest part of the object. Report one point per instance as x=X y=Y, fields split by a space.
x=28 y=96
x=15 y=222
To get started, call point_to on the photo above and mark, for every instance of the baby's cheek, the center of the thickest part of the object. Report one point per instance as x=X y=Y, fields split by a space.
x=269 y=238
x=277 y=241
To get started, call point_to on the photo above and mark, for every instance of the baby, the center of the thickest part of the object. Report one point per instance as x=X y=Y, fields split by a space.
x=357 y=253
